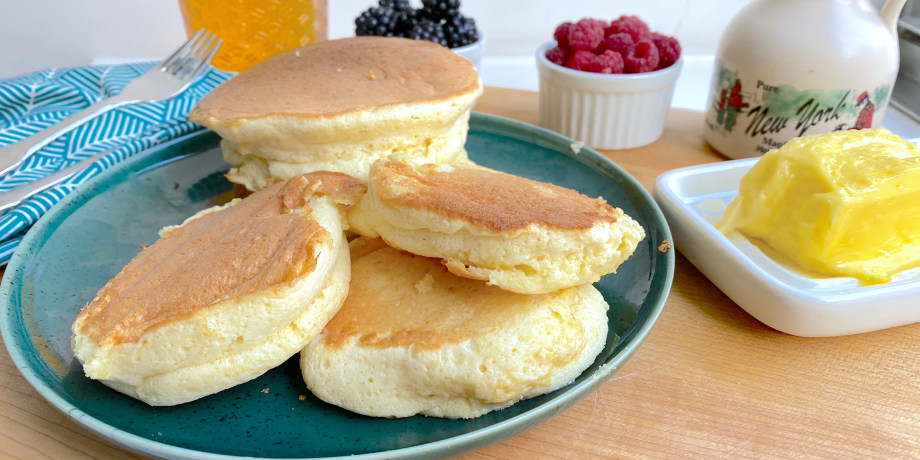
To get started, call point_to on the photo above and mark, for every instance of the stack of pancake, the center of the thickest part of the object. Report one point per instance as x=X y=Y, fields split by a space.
x=462 y=290
x=476 y=294
x=231 y=293
x=341 y=105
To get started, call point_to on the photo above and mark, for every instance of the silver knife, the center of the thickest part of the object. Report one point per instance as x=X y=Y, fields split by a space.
x=14 y=154
x=19 y=194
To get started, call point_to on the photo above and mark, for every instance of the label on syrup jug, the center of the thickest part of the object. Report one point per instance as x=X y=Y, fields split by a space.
x=747 y=116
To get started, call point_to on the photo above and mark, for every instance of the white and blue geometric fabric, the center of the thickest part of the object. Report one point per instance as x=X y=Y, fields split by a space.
x=32 y=102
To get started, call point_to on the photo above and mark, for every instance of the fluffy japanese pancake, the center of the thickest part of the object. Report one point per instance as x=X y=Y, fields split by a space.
x=521 y=235
x=339 y=105
x=412 y=338
x=230 y=293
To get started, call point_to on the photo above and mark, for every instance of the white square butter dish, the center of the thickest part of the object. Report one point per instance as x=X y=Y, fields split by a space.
x=779 y=295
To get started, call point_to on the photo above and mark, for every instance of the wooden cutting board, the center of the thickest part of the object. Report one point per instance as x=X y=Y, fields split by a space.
x=710 y=381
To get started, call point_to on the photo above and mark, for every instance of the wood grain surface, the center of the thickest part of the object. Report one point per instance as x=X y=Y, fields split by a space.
x=710 y=381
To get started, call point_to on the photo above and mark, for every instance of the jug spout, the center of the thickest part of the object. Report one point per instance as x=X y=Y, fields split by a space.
x=890 y=12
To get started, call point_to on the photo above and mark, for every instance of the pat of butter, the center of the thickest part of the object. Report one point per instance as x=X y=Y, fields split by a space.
x=845 y=203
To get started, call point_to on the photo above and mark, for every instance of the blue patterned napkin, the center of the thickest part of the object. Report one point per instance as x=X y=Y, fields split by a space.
x=32 y=102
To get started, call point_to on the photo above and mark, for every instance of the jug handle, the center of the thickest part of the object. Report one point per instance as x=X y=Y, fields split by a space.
x=890 y=13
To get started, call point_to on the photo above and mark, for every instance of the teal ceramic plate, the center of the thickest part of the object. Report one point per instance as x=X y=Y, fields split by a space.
x=86 y=239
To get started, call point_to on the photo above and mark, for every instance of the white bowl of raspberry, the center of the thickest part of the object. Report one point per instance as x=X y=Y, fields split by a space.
x=608 y=85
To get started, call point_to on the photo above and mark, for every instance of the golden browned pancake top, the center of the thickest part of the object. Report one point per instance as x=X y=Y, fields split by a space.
x=339 y=76
x=486 y=198
x=258 y=243
x=398 y=299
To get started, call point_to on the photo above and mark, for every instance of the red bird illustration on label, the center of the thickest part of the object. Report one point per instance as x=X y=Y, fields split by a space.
x=864 y=119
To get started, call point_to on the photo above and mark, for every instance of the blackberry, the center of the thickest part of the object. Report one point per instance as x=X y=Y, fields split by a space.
x=460 y=31
x=405 y=21
x=395 y=5
x=440 y=9
x=426 y=29
x=437 y=21
x=376 y=21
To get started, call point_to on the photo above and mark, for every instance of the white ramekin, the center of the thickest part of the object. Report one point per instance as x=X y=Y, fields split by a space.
x=474 y=51
x=605 y=111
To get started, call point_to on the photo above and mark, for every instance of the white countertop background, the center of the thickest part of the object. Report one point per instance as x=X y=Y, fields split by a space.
x=39 y=34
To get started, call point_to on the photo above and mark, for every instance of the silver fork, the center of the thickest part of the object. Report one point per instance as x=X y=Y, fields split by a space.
x=169 y=78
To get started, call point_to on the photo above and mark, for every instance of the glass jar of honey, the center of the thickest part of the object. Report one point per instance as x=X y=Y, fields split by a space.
x=253 y=30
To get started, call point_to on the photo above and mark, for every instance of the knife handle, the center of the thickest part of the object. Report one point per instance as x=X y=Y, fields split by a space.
x=14 y=154
x=17 y=195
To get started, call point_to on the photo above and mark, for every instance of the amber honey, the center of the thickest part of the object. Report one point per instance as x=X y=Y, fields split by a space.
x=253 y=30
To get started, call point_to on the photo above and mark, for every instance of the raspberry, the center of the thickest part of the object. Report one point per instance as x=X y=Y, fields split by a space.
x=585 y=36
x=619 y=42
x=591 y=23
x=557 y=55
x=580 y=60
x=561 y=34
x=606 y=62
x=668 y=50
x=631 y=25
x=641 y=58
x=624 y=45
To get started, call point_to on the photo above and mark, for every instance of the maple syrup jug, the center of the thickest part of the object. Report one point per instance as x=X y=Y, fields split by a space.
x=789 y=68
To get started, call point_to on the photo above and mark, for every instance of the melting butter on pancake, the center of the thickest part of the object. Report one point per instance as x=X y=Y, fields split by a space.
x=522 y=235
x=412 y=338
x=339 y=105
x=232 y=292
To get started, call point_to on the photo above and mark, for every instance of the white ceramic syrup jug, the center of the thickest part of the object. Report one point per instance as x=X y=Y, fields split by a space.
x=788 y=68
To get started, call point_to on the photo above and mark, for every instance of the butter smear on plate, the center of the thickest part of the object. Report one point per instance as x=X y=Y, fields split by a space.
x=845 y=203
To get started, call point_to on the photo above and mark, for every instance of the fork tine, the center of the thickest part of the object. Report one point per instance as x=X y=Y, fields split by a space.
x=192 y=57
x=199 y=56
x=172 y=58
x=182 y=60
x=207 y=59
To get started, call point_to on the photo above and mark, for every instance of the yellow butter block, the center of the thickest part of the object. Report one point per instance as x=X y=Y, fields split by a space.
x=845 y=203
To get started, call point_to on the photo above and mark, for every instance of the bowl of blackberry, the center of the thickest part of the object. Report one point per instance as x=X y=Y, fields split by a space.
x=608 y=84
x=438 y=21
